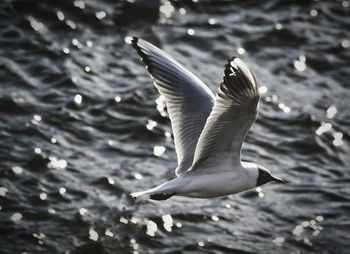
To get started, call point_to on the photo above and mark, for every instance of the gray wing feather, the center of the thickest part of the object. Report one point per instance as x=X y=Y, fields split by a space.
x=189 y=101
x=234 y=112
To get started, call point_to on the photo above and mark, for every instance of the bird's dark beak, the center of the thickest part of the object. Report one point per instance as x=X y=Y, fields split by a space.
x=277 y=180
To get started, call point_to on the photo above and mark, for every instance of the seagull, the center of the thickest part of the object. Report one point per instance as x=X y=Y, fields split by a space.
x=208 y=130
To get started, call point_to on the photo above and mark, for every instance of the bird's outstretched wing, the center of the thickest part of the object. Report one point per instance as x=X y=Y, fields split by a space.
x=234 y=112
x=189 y=101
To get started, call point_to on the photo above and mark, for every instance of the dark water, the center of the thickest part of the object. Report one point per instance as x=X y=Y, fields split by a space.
x=80 y=127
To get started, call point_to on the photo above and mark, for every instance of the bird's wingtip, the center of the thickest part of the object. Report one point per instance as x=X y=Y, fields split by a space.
x=240 y=68
x=134 y=41
x=231 y=59
x=235 y=62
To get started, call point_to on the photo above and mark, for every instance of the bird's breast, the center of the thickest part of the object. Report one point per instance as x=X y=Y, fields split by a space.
x=214 y=185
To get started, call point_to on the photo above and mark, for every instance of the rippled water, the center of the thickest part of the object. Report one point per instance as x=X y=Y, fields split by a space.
x=81 y=126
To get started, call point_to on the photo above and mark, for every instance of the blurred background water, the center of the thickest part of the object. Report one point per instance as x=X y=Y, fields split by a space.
x=81 y=126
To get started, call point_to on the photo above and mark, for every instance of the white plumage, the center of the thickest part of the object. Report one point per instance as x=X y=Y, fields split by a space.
x=208 y=130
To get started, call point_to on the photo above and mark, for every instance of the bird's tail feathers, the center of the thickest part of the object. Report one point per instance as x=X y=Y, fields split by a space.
x=161 y=192
x=143 y=196
x=140 y=196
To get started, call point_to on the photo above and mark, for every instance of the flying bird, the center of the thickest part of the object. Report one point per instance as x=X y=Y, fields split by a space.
x=208 y=130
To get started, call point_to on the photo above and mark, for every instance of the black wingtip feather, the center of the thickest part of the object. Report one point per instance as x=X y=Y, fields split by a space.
x=144 y=57
x=161 y=196
x=231 y=59
x=134 y=44
x=240 y=79
x=134 y=41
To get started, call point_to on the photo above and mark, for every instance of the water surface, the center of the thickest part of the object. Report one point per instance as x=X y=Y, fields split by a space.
x=81 y=126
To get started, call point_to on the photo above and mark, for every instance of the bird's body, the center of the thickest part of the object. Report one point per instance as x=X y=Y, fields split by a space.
x=208 y=130
x=208 y=183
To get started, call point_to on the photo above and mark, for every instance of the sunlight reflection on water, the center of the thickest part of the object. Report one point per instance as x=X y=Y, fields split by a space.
x=158 y=150
x=56 y=163
x=168 y=222
x=68 y=75
x=16 y=217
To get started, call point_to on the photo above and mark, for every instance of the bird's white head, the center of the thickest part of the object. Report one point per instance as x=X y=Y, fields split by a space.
x=265 y=176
